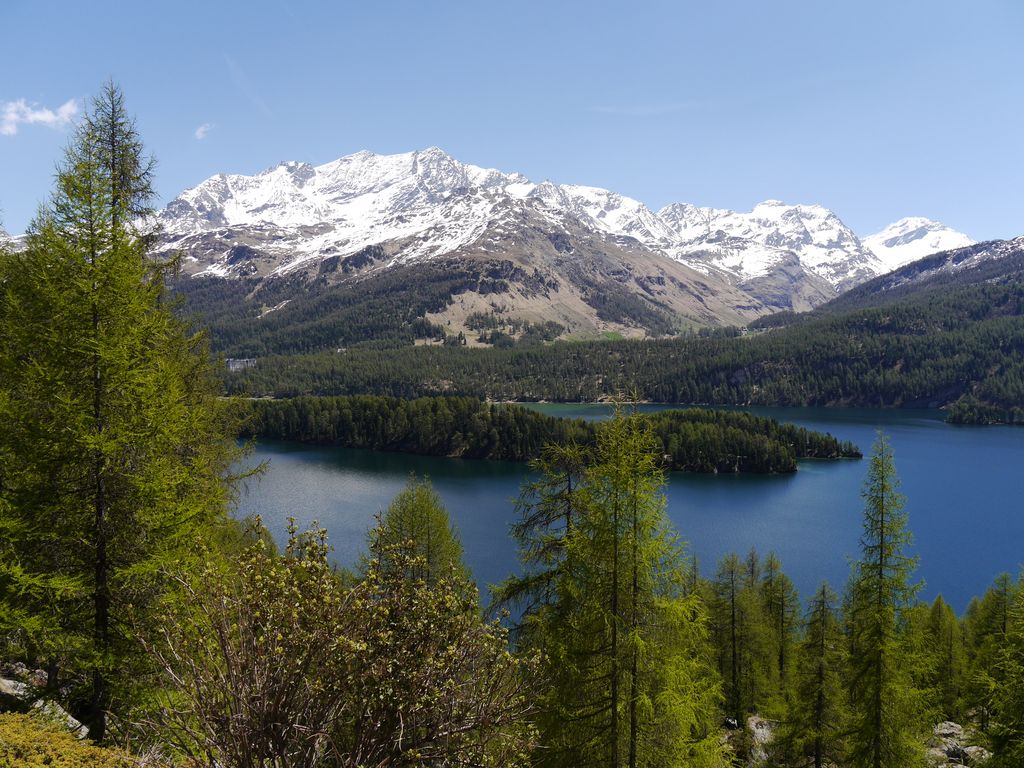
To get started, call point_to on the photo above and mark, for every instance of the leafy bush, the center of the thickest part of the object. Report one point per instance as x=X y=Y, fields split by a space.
x=27 y=741
x=279 y=660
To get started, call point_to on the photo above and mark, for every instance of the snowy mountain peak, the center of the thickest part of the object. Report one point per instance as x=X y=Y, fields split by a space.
x=913 y=238
x=774 y=210
x=425 y=203
x=749 y=245
x=603 y=210
x=431 y=169
x=15 y=242
x=691 y=221
x=363 y=185
x=908 y=229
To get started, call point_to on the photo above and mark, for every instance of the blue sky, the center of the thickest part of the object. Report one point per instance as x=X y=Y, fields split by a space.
x=877 y=110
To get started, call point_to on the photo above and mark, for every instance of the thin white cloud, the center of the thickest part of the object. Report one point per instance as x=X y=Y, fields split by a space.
x=245 y=85
x=20 y=112
x=203 y=131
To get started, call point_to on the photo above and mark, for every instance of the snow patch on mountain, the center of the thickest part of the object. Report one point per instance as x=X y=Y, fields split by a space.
x=304 y=212
x=913 y=238
x=753 y=244
x=603 y=210
x=14 y=242
x=424 y=204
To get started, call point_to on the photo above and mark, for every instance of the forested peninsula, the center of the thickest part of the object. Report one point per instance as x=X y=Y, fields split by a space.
x=694 y=439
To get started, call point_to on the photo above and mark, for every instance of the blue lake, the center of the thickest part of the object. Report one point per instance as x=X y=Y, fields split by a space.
x=964 y=488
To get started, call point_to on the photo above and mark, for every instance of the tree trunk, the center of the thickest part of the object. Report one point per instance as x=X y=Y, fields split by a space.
x=880 y=661
x=634 y=691
x=615 y=634
x=819 y=706
x=101 y=599
x=735 y=653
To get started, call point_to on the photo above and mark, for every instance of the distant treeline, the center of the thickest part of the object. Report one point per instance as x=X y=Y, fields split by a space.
x=691 y=440
x=970 y=410
x=924 y=352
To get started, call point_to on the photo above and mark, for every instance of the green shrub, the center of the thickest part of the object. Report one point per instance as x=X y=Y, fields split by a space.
x=27 y=741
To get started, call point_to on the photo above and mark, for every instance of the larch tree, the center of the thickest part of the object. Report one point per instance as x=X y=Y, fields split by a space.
x=1007 y=698
x=726 y=618
x=813 y=727
x=781 y=606
x=985 y=629
x=882 y=695
x=547 y=508
x=943 y=653
x=417 y=524
x=115 y=447
x=626 y=655
x=741 y=636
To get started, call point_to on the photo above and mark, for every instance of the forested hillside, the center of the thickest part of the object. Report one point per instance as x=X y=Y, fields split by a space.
x=924 y=351
x=995 y=261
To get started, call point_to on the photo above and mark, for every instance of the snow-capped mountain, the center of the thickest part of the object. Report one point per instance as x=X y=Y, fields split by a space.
x=911 y=239
x=297 y=212
x=302 y=211
x=11 y=241
x=368 y=212
x=752 y=244
x=365 y=215
x=604 y=211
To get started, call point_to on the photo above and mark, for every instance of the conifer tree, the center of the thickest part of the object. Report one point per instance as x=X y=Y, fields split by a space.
x=417 y=525
x=114 y=449
x=726 y=621
x=781 y=607
x=741 y=635
x=944 y=654
x=548 y=508
x=625 y=645
x=919 y=656
x=752 y=569
x=881 y=691
x=812 y=731
x=986 y=625
x=1007 y=701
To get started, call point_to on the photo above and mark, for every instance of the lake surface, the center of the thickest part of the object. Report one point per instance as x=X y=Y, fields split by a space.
x=964 y=488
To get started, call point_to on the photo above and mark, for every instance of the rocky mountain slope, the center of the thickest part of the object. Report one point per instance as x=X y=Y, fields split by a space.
x=987 y=263
x=790 y=256
x=528 y=252
x=606 y=262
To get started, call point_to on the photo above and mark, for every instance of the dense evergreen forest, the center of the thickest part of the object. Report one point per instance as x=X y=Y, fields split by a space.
x=690 y=440
x=925 y=351
x=178 y=637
